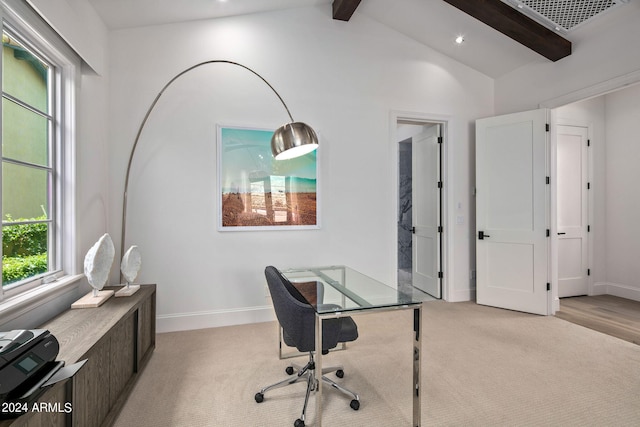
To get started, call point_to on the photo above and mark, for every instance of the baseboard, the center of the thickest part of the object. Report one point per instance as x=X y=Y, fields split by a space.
x=462 y=295
x=616 y=289
x=213 y=319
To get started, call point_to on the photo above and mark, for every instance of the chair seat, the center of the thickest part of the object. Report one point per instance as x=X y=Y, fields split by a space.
x=348 y=332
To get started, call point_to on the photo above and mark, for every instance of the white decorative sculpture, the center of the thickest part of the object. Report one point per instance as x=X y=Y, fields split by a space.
x=98 y=262
x=131 y=262
x=97 y=266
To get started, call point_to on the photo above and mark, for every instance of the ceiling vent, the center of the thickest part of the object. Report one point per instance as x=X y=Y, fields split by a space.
x=564 y=15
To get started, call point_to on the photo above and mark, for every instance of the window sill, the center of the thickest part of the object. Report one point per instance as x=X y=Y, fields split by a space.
x=18 y=305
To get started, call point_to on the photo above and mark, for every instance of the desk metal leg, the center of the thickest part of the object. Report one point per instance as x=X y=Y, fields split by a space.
x=318 y=371
x=417 y=348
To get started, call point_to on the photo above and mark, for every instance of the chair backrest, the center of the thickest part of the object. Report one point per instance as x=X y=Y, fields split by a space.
x=296 y=315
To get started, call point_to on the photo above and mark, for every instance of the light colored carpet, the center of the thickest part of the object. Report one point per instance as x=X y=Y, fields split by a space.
x=480 y=367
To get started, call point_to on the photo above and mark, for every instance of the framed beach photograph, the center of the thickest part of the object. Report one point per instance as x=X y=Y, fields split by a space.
x=258 y=192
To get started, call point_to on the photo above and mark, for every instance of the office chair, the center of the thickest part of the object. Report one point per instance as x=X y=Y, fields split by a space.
x=297 y=319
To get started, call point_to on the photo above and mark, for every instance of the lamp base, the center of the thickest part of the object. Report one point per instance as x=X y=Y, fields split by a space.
x=91 y=301
x=127 y=291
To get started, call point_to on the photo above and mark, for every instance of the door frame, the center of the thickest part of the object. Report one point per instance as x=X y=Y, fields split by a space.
x=445 y=122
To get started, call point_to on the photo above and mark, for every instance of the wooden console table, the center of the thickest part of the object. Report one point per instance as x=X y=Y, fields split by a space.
x=118 y=339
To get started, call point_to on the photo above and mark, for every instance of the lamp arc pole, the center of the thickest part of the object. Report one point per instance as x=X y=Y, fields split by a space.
x=146 y=117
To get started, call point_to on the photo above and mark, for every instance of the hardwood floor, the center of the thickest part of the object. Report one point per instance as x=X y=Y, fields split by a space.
x=611 y=315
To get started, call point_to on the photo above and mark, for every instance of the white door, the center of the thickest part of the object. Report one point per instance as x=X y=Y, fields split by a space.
x=572 y=205
x=425 y=211
x=512 y=202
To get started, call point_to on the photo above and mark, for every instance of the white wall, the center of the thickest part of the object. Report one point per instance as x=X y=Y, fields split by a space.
x=80 y=26
x=611 y=56
x=344 y=79
x=623 y=200
x=87 y=34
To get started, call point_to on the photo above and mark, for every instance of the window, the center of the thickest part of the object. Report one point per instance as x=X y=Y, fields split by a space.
x=28 y=152
x=37 y=152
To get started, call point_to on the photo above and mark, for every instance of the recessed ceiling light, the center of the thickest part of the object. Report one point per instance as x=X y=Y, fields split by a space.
x=460 y=39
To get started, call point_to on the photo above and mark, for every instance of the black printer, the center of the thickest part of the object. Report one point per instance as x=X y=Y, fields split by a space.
x=27 y=367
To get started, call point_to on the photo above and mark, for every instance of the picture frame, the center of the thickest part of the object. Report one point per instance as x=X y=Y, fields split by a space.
x=257 y=192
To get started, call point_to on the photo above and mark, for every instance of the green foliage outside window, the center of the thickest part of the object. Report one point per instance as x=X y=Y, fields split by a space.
x=18 y=268
x=24 y=250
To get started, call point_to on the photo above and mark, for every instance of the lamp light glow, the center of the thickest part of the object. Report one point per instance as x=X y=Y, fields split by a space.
x=460 y=39
x=293 y=140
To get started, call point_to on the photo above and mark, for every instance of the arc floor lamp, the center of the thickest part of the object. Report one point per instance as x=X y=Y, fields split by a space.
x=290 y=140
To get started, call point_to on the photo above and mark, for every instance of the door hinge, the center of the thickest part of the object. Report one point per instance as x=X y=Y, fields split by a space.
x=588 y=143
x=440 y=274
x=546 y=127
x=439 y=140
x=588 y=186
x=548 y=232
x=588 y=229
x=588 y=272
x=440 y=229
x=548 y=180
x=439 y=184
x=548 y=286
x=413 y=230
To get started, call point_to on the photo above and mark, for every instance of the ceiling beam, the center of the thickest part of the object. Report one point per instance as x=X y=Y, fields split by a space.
x=519 y=27
x=343 y=9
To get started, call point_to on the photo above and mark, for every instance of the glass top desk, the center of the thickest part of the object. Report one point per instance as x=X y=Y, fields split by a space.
x=356 y=294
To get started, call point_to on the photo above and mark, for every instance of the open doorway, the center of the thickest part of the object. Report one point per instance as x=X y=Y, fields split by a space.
x=420 y=194
x=612 y=228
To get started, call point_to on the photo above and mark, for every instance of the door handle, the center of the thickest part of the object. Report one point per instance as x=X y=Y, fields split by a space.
x=481 y=235
x=560 y=234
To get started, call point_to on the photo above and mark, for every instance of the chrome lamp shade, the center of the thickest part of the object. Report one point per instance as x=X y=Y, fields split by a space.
x=293 y=140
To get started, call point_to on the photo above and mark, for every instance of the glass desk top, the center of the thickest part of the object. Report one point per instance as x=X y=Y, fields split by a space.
x=344 y=289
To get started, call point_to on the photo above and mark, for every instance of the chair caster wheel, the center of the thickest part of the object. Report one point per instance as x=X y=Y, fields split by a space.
x=289 y=370
x=340 y=373
x=259 y=397
x=355 y=404
x=298 y=423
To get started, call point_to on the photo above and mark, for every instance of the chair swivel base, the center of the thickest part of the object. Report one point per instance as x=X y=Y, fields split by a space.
x=307 y=373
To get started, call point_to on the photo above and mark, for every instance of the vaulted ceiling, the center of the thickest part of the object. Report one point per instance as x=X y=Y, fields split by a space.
x=514 y=24
x=498 y=37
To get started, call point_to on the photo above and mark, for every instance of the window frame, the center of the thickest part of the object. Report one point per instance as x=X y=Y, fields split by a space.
x=51 y=168
x=30 y=29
